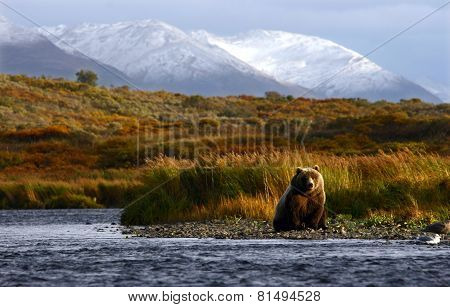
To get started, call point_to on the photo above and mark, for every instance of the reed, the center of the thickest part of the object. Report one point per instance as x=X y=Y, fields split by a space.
x=405 y=184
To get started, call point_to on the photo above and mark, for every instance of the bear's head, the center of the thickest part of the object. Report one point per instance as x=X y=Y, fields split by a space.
x=307 y=180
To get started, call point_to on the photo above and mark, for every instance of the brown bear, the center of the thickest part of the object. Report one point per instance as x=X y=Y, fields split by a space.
x=303 y=203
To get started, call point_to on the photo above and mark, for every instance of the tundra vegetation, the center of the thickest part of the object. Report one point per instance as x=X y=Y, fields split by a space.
x=68 y=144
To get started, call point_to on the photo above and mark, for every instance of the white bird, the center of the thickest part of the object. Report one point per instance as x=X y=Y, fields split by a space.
x=431 y=239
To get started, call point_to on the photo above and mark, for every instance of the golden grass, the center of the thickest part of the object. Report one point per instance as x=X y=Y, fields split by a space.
x=405 y=184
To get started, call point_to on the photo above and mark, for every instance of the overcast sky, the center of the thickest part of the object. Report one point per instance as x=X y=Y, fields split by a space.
x=422 y=52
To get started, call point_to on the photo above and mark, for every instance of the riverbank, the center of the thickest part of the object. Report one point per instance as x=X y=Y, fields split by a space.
x=242 y=229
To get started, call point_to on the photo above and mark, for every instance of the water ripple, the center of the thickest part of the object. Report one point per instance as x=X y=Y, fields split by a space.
x=83 y=248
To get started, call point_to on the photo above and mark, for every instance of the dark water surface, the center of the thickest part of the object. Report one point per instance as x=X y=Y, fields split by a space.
x=83 y=248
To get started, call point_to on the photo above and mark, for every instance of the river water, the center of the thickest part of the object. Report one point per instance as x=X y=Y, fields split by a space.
x=87 y=248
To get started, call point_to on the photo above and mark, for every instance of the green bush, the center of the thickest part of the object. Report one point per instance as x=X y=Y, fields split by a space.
x=87 y=76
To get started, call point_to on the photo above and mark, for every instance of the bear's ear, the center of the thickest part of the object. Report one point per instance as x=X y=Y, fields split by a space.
x=317 y=168
x=298 y=170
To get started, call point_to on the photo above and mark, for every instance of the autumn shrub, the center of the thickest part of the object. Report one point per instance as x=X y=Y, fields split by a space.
x=194 y=101
x=208 y=123
x=117 y=152
x=36 y=134
x=48 y=108
x=8 y=159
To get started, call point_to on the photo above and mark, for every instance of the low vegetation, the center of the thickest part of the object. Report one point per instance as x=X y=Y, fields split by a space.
x=70 y=144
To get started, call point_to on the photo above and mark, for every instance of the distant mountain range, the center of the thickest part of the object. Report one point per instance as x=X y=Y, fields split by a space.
x=154 y=55
x=160 y=56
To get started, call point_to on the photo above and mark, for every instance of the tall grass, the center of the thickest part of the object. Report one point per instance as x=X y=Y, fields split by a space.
x=82 y=193
x=404 y=183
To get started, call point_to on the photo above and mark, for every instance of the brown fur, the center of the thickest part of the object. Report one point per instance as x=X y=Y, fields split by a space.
x=303 y=204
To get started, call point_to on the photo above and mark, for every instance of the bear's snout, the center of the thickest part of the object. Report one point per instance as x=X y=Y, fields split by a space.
x=310 y=184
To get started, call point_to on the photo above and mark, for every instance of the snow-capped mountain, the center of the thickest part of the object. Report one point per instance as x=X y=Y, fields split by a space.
x=313 y=62
x=161 y=56
x=436 y=88
x=11 y=34
x=155 y=55
x=25 y=51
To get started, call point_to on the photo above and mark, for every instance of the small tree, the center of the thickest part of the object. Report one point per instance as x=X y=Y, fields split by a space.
x=87 y=76
x=273 y=95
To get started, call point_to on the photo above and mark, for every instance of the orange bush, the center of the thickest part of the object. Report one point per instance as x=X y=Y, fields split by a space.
x=35 y=134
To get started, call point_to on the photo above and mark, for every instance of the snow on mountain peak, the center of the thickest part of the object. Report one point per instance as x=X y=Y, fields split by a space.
x=10 y=33
x=296 y=58
x=157 y=53
x=147 y=49
x=317 y=63
x=150 y=34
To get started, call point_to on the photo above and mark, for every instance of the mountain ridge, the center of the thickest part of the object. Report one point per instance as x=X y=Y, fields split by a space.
x=314 y=62
x=163 y=56
x=155 y=55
